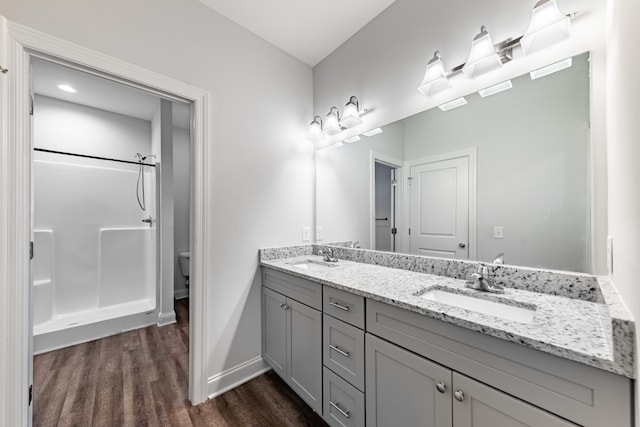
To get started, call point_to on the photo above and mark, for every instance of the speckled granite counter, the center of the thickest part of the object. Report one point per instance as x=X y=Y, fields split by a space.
x=598 y=334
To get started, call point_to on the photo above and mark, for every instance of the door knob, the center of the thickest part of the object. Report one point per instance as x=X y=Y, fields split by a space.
x=462 y=245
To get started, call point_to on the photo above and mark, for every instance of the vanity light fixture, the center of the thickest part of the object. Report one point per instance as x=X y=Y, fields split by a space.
x=550 y=69
x=351 y=114
x=458 y=102
x=435 y=77
x=315 y=129
x=332 y=122
x=66 y=88
x=492 y=90
x=372 y=132
x=352 y=139
x=483 y=56
x=548 y=26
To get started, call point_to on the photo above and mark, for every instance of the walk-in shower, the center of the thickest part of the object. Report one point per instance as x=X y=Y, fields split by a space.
x=94 y=268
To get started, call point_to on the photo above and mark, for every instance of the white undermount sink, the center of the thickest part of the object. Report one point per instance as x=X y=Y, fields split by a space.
x=501 y=310
x=312 y=265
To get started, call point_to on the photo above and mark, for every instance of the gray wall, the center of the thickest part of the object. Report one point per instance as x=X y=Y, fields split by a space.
x=181 y=201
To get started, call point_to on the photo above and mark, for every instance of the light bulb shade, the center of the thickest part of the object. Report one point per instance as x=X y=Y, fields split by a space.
x=482 y=57
x=332 y=123
x=548 y=26
x=315 y=129
x=351 y=114
x=435 y=77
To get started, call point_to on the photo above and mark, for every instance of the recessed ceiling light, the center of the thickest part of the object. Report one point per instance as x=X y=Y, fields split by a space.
x=66 y=88
x=372 y=132
x=550 y=69
x=492 y=90
x=352 y=139
x=458 y=102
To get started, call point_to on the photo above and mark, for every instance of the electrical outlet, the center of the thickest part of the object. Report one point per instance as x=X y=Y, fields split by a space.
x=319 y=233
x=306 y=234
x=610 y=254
x=498 y=232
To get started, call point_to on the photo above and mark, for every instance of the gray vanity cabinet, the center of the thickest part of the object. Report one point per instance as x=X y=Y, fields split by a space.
x=477 y=405
x=292 y=338
x=403 y=389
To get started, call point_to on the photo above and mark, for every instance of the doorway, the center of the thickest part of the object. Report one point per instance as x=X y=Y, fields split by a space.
x=25 y=44
x=386 y=206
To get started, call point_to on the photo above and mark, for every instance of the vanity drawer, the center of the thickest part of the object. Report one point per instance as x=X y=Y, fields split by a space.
x=343 y=305
x=343 y=350
x=297 y=288
x=343 y=403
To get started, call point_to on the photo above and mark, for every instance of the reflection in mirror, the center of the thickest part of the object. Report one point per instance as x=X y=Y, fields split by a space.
x=508 y=173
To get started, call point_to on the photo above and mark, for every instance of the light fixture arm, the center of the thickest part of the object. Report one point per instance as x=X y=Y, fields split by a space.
x=504 y=49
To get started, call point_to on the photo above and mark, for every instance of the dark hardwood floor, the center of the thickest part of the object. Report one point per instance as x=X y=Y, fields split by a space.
x=140 y=378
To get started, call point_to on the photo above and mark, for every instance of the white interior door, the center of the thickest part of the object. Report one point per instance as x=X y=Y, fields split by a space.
x=439 y=208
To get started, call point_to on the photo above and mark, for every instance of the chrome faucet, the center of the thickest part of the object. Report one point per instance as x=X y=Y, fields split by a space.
x=355 y=245
x=480 y=281
x=499 y=259
x=328 y=255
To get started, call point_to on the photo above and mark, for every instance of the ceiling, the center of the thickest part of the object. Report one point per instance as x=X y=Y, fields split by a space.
x=308 y=30
x=101 y=93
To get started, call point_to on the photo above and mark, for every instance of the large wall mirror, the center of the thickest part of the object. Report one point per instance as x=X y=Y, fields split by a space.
x=507 y=173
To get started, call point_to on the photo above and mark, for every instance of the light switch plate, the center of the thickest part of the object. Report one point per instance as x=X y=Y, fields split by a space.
x=306 y=234
x=319 y=233
x=498 y=232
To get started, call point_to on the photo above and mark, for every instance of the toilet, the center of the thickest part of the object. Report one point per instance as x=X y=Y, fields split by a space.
x=184 y=265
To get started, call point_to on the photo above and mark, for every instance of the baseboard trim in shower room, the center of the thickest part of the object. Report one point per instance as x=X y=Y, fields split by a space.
x=165 y=319
x=181 y=293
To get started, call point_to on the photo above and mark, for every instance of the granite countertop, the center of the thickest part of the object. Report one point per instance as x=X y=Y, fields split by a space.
x=591 y=333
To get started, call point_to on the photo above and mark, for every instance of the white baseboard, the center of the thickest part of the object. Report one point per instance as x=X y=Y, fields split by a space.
x=231 y=378
x=165 y=319
x=181 y=293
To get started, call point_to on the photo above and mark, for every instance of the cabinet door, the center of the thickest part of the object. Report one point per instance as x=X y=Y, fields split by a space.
x=274 y=331
x=401 y=388
x=482 y=406
x=305 y=353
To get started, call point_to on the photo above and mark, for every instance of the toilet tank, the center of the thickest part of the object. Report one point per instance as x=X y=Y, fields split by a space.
x=184 y=263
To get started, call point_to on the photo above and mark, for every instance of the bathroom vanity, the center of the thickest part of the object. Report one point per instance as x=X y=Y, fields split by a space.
x=366 y=344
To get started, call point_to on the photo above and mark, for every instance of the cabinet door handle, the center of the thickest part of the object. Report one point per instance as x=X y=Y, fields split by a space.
x=442 y=387
x=341 y=307
x=284 y=306
x=459 y=395
x=339 y=350
x=339 y=409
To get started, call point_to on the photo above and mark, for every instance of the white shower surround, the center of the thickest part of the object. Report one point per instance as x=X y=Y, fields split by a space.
x=94 y=264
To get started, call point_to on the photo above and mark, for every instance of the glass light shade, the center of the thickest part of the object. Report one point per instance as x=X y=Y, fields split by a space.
x=482 y=57
x=548 y=26
x=315 y=129
x=351 y=115
x=332 y=123
x=435 y=77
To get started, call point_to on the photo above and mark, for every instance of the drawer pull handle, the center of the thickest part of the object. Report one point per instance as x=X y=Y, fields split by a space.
x=459 y=395
x=339 y=409
x=339 y=350
x=442 y=387
x=341 y=307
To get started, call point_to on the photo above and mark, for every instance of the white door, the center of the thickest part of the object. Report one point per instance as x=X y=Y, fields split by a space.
x=439 y=208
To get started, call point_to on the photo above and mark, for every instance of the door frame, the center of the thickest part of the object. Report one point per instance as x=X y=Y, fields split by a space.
x=472 y=155
x=15 y=201
x=374 y=158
